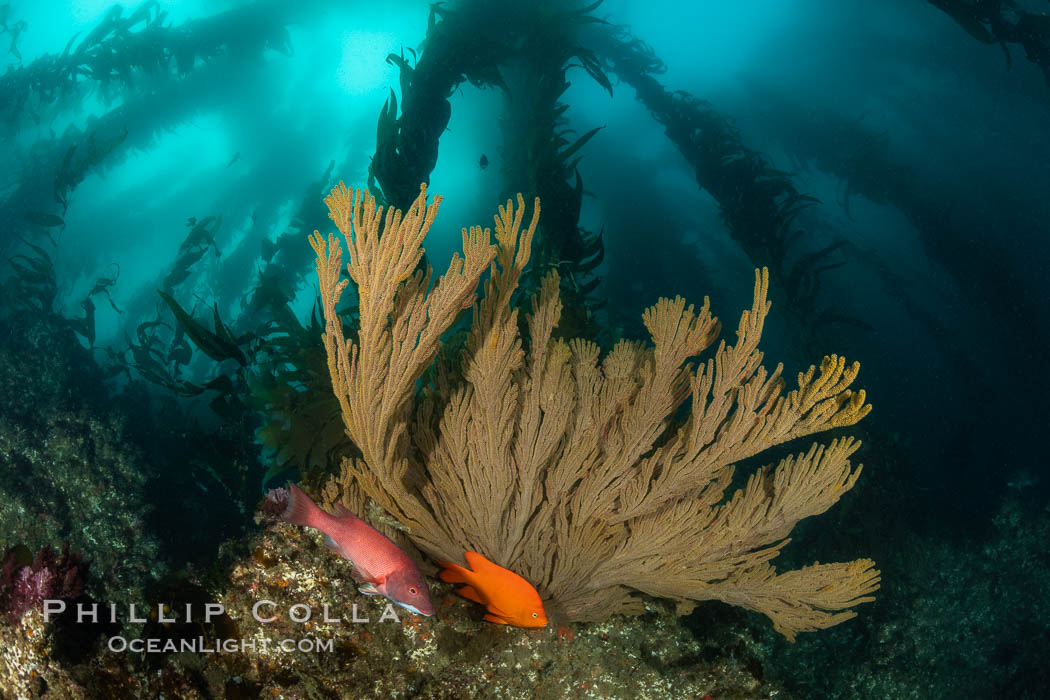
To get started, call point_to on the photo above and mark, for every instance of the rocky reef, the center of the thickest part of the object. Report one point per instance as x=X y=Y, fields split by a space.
x=360 y=651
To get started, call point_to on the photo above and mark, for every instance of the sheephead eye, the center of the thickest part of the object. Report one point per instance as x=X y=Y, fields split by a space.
x=412 y=591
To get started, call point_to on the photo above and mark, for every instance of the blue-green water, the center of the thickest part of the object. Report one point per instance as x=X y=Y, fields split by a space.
x=888 y=162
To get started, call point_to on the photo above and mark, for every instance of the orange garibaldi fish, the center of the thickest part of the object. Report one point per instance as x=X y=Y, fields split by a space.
x=379 y=563
x=510 y=599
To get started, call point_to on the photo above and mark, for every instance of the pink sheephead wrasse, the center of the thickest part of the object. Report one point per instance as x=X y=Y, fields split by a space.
x=379 y=564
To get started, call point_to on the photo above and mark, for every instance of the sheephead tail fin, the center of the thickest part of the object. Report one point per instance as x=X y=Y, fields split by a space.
x=300 y=509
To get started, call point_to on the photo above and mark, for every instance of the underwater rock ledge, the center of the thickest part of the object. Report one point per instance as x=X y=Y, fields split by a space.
x=453 y=654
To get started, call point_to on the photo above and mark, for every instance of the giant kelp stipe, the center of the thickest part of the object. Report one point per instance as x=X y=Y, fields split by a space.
x=182 y=338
